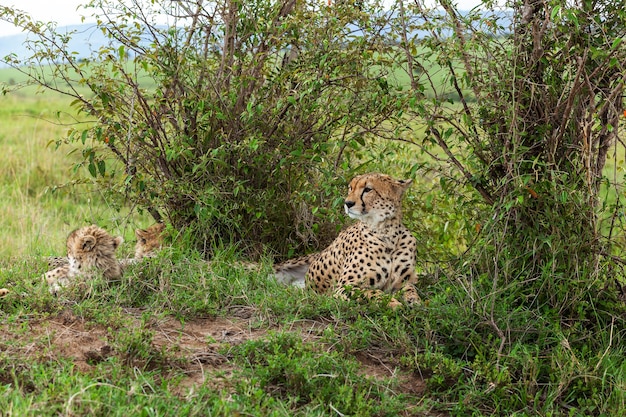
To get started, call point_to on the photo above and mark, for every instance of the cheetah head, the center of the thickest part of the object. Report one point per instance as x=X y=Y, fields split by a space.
x=374 y=198
x=92 y=247
x=149 y=241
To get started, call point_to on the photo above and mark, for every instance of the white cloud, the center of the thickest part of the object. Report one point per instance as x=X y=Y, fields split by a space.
x=63 y=12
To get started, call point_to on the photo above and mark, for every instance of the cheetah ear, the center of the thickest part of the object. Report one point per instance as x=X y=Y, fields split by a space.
x=89 y=242
x=117 y=242
x=404 y=184
x=140 y=233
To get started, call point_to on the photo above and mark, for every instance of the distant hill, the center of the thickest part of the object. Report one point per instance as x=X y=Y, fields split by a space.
x=86 y=39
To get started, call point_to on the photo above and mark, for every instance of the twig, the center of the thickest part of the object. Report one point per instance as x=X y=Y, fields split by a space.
x=482 y=190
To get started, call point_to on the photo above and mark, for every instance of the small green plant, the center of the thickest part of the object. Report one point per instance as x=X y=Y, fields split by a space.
x=288 y=368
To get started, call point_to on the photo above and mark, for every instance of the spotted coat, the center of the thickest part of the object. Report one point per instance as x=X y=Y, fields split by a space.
x=374 y=256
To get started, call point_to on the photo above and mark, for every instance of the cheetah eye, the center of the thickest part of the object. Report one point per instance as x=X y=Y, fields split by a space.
x=367 y=189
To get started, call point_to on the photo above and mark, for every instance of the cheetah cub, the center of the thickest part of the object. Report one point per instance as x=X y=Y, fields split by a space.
x=149 y=241
x=90 y=249
x=374 y=256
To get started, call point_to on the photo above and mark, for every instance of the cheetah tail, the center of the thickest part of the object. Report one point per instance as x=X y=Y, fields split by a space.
x=293 y=271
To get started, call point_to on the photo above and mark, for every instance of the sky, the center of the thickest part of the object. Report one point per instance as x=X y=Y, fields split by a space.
x=64 y=12
x=61 y=11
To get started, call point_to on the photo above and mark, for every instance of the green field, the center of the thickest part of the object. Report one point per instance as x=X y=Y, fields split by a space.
x=177 y=336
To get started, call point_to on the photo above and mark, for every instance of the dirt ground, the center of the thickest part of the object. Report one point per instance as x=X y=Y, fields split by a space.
x=193 y=347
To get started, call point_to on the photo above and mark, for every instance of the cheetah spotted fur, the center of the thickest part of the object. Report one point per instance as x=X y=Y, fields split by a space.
x=374 y=256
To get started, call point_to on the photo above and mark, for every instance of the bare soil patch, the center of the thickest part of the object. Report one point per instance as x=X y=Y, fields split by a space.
x=193 y=346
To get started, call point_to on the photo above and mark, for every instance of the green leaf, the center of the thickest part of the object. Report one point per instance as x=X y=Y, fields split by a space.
x=617 y=42
x=92 y=169
x=101 y=168
x=573 y=17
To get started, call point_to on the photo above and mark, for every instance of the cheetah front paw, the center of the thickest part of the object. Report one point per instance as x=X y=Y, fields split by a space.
x=410 y=296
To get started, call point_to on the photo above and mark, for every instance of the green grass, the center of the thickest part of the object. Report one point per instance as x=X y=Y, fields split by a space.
x=282 y=353
x=178 y=336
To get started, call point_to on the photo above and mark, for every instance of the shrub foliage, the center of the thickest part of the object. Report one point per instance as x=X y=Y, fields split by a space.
x=539 y=89
x=229 y=120
x=236 y=120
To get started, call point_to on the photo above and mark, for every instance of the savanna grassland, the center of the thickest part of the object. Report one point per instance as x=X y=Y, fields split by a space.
x=176 y=336
x=43 y=198
x=517 y=205
x=179 y=336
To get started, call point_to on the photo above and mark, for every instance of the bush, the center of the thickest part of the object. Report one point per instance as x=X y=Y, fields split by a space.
x=231 y=121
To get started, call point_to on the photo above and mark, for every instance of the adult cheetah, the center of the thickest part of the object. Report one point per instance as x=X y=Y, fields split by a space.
x=374 y=256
